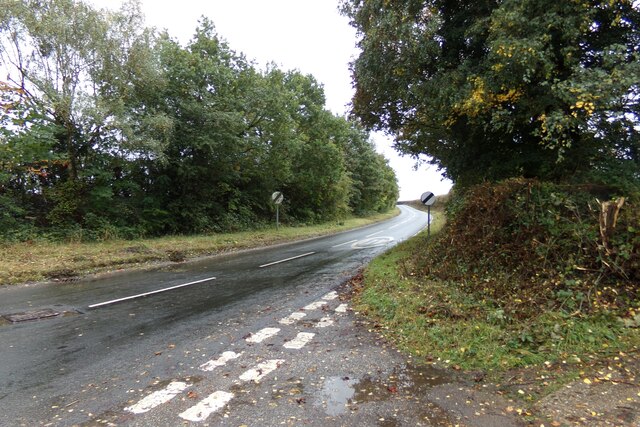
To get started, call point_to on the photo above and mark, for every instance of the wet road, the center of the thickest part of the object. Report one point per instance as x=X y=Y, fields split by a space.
x=113 y=344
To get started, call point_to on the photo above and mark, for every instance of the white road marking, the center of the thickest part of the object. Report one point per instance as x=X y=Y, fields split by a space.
x=398 y=225
x=263 y=369
x=342 y=308
x=330 y=296
x=372 y=242
x=150 y=293
x=262 y=335
x=212 y=403
x=324 y=322
x=299 y=341
x=288 y=259
x=158 y=398
x=371 y=235
x=221 y=361
x=314 y=305
x=292 y=318
x=344 y=244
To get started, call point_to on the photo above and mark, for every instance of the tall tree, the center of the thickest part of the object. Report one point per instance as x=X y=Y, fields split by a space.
x=492 y=89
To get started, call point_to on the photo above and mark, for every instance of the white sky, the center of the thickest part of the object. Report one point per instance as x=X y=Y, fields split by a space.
x=307 y=35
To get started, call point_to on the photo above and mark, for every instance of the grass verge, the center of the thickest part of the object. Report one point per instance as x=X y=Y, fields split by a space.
x=38 y=261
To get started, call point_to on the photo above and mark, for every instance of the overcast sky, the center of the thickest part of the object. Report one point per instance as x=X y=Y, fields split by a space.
x=307 y=35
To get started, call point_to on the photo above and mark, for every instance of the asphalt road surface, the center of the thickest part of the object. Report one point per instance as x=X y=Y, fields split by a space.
x=257 y=338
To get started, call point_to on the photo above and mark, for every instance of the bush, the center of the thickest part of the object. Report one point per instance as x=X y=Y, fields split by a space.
x=527 y=245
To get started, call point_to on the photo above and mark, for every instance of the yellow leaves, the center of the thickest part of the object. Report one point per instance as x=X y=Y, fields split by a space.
x=481 y=99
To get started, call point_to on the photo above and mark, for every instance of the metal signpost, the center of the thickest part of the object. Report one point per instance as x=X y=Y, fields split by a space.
x=428 y=199
x=277 y=198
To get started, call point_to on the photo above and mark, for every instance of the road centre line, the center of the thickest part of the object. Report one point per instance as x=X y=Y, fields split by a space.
x=214 y=402
x=344 y=244
x=288 y=259
x=371 y=235
x=399 y=224
x=157 y=398
x=101 y=304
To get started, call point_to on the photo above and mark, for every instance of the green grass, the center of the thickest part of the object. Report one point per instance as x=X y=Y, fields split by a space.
x=38 y=261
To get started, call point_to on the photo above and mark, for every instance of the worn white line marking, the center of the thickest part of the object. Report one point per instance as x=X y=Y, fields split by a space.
x=221 y=361
x=288 y=259
x=342 y=308
x=314 y=305
x=158 y=398
x=371 y=235
x=330 y=296
x=344 y=244
x=324 y=322
x=398 y=225
x=292 y=318
x=212 y=403
x=262 y=335
x=263 y=369
x=150 y=293
x=299 y=341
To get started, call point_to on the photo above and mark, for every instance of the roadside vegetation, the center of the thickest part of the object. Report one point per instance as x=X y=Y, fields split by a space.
x=110 y=129
x=521 y=275
x=532 y=108
x=39 y=260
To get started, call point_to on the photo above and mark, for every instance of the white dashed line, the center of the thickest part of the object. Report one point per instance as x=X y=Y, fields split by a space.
x=158 y=398
x=292 y=318
x=371 y=235
x=262 y=335
x=342 y=308
x=330 y=296
x=263 y=369
x=214 y=402
x=101 y=304
x=324 y=322
x=314 y=305
x=221 y=361
x=344 y=244
x=285 y=260
x=299 y=341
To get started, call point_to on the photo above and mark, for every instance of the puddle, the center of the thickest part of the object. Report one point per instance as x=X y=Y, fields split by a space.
x=338 y=393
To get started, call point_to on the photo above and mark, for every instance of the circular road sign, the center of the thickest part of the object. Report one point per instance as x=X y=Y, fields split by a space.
x=428 y=198
x=277 y=197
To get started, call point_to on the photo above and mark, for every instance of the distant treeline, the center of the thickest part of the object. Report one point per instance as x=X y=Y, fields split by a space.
x=110 y=129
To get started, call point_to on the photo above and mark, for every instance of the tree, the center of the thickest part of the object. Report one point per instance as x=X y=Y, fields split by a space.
x=492 y=89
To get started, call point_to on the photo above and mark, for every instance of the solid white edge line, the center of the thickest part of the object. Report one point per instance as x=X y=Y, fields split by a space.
x=288 y=259
x=150 y=293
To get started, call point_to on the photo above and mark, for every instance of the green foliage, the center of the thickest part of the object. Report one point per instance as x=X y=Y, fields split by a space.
x=493 y=90
x=110 y=130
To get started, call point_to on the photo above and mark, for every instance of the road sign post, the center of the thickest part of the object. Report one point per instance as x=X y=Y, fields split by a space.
x=428 y=199
x=277 y=198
